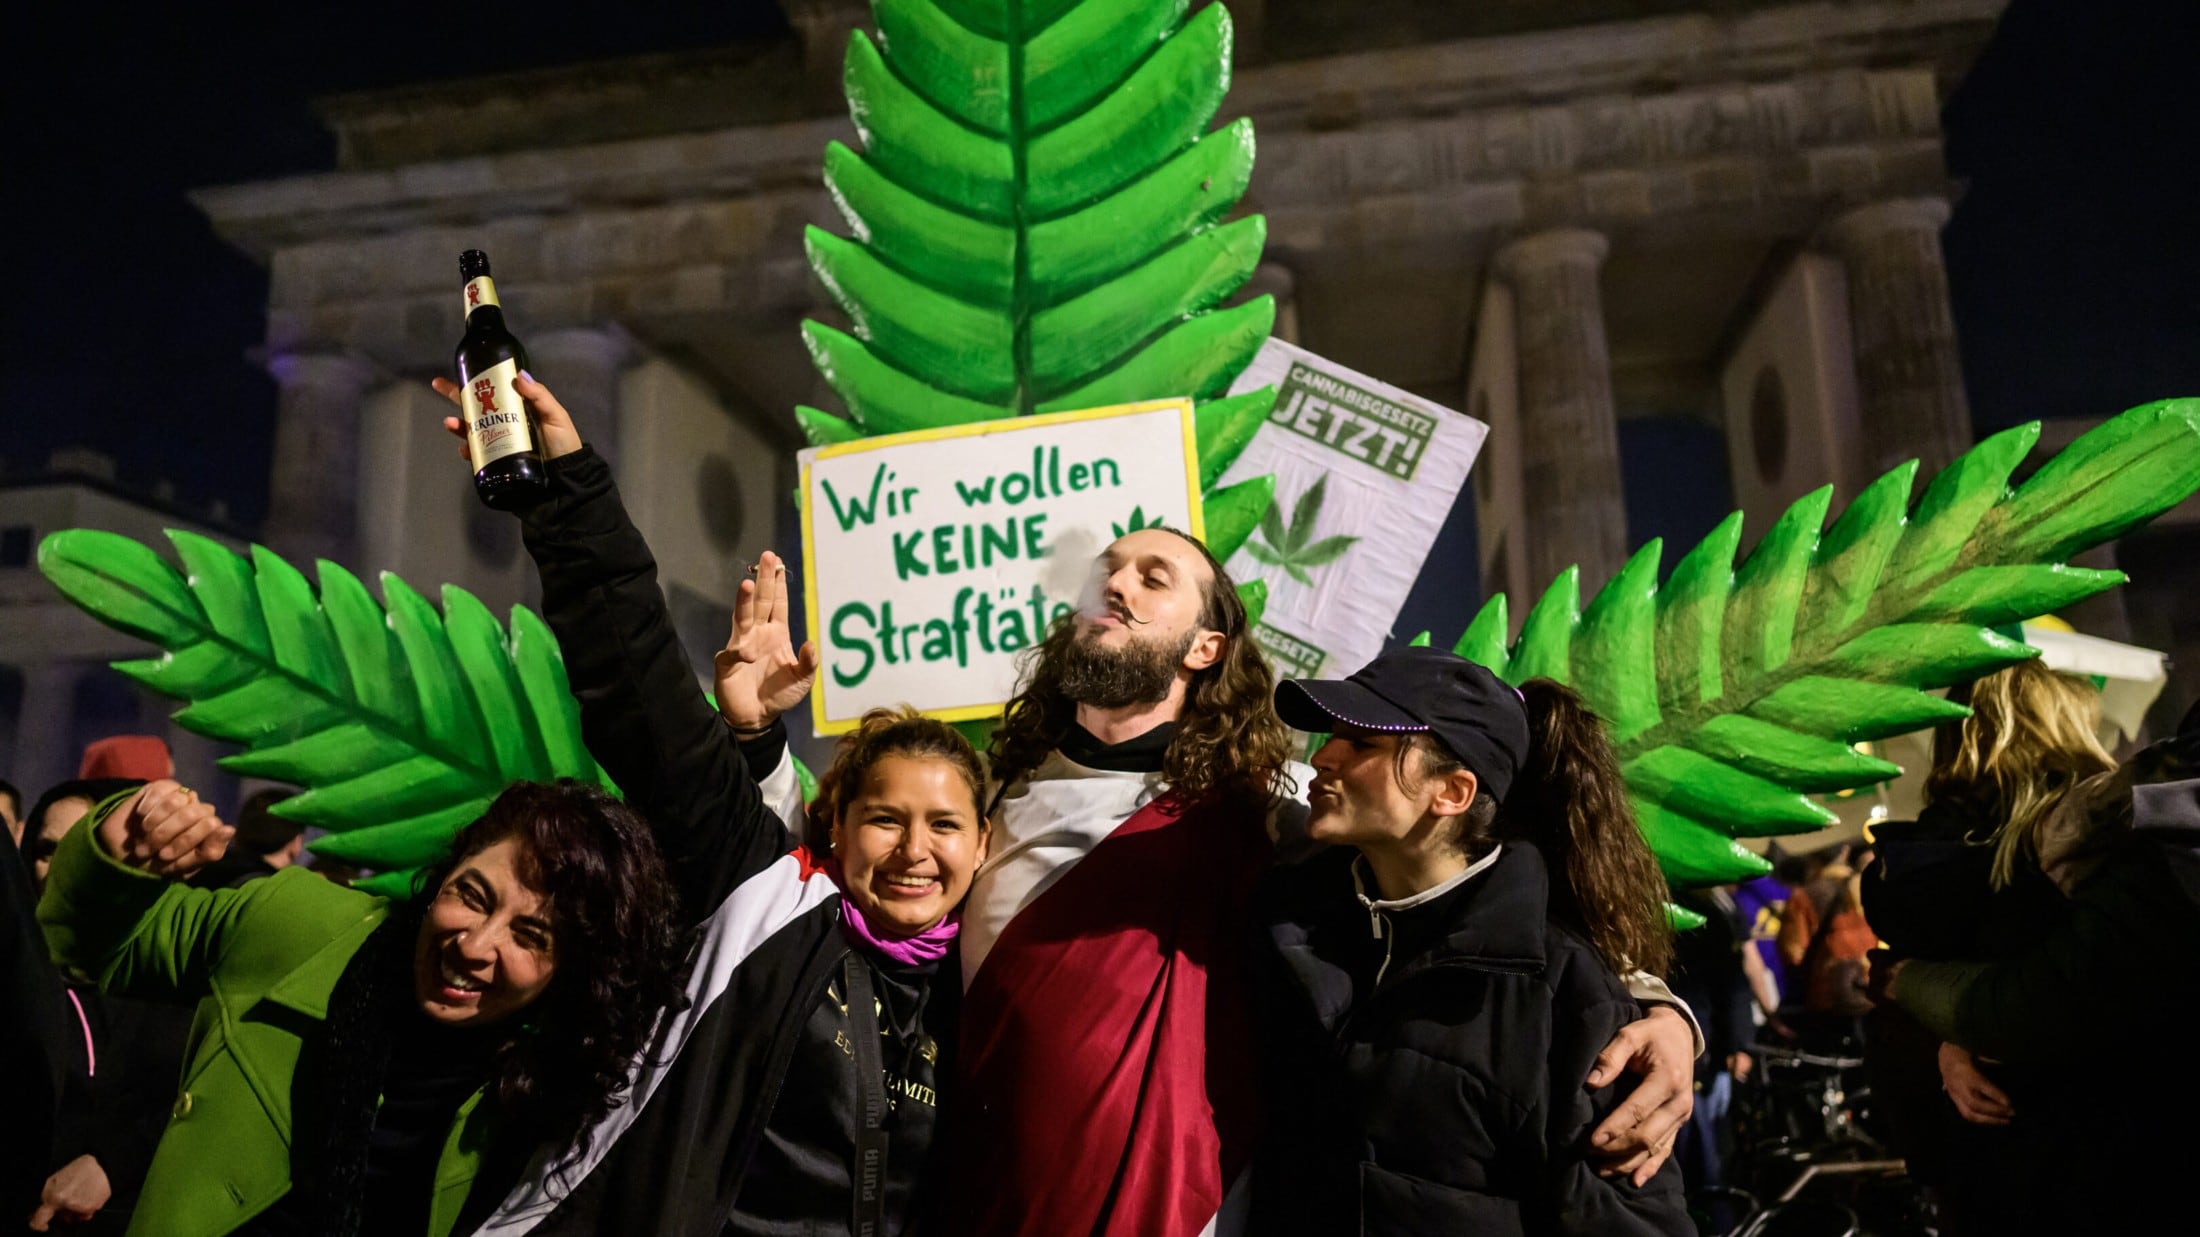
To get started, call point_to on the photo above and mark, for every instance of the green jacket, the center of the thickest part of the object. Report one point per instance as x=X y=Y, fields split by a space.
x=260 y=961
x=2126 y=959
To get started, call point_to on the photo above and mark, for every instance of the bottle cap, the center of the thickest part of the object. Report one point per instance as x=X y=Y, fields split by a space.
x=473 y=264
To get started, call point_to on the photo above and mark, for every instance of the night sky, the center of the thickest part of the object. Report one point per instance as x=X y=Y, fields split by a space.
x=129 y=324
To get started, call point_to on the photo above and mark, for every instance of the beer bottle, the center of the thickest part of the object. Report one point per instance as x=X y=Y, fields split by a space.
x=501 y=434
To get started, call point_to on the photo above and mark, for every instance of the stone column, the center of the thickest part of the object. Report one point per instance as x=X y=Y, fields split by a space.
x=582 y=364
x=45 y=730
x=313 y=495
x=1277 y=280
x=1909 y=379
x=1569 y=431
x=1249 y=26
x=824 y=27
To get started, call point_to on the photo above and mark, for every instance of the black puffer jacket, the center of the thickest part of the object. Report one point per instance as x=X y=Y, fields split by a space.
x=1424 y=1067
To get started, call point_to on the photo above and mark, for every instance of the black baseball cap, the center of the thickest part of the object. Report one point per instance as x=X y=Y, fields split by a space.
x=1475 y=715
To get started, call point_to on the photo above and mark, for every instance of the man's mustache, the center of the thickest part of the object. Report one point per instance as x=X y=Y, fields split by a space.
x=1122 y=611
x=1112 y=603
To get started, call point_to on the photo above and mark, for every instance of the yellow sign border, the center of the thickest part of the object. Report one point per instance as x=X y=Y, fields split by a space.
x=1187 y=419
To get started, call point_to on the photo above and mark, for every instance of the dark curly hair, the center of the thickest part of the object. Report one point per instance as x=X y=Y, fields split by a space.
x=562 y=1063
x=621 y=949
x=1229 y=741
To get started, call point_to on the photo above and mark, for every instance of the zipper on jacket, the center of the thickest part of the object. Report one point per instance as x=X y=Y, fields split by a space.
x=1387 y=935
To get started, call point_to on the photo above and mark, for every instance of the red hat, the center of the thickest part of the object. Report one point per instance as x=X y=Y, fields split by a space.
x=141 y=757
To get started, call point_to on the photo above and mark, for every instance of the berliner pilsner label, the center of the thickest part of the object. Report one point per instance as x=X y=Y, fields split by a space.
x=496 y=419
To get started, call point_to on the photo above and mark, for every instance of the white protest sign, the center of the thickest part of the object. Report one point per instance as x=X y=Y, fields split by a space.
x=934 y=557
x=1365 y=474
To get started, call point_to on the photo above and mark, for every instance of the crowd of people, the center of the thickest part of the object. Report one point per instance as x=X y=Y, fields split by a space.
x=2007 y=967
x=1131 y=970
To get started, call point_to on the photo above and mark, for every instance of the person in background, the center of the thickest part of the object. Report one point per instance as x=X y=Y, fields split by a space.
x=1436 y=987
x=1964 y=883
x=1824 y=940
x=1761 y=903
x=57 y=812
x=2104 y=998
x=118 y=1059
x=265 y=844
x=11 y=812
x=136 y=757
x=37 y=1031
x=1710 y=973
x=125 y=1058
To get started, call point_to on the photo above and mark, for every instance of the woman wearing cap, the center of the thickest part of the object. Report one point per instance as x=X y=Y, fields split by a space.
x=1434 y=988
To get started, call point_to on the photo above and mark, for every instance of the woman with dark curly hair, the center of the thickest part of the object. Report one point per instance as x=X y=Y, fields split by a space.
x=366 y=1066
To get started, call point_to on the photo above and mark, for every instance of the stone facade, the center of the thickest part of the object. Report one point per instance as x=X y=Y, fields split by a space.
x=1415 y=166
x=56 y=692
x=662 y=202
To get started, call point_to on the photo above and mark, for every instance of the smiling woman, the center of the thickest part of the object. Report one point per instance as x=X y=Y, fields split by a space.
x=898 y=811
x=804 y=1086
x=376 y=1067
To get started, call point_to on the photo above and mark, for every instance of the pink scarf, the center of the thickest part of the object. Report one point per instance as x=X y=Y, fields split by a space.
x=930 y=945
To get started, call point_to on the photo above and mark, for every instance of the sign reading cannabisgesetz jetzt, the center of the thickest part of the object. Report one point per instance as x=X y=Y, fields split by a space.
x=933 y=558
x=1365 y=474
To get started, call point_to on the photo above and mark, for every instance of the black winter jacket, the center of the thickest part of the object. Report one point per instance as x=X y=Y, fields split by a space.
x=745 y=1115
x=1424 y=1069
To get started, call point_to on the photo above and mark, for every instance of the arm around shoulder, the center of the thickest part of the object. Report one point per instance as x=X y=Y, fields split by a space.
x=1580 y=1199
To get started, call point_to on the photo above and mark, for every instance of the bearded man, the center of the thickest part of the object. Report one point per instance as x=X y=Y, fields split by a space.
x=1141 y=781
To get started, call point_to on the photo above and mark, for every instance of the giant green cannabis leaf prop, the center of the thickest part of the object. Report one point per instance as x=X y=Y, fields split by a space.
x=401 y=723
x=1035 y=217
x=1734 y=693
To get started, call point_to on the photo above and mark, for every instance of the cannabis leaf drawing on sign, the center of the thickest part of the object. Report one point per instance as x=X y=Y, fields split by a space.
x=1294 y=548
x=1137 y=521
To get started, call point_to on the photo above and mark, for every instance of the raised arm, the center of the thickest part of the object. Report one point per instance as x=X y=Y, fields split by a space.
x=642 y=714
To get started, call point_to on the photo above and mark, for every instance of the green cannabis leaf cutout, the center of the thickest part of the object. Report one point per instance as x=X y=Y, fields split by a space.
x=1293 y=548
x=1036 y=225
x=1734 y=693
x=401 y=723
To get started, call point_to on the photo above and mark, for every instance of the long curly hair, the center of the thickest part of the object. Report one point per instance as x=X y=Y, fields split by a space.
x=2028 y=741
x=1569 y=801
x=557 y=1066
x=882 y=733
x=1229 y=741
